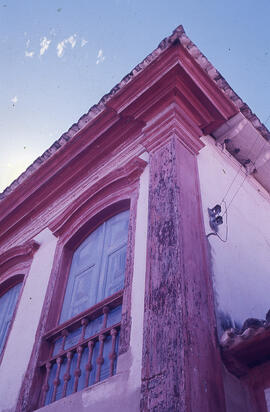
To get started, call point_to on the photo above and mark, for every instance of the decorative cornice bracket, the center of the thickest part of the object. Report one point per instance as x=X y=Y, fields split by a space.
x=172 y=122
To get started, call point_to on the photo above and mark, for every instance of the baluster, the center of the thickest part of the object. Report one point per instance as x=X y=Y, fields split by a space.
x=67 y=374
x=100 y=358
x=106 y=310
x=84 y=323
x=88 y=366
x=45 y=387
x=65 y=335
x=56 y=380
x=113 y=355
x=78 y=370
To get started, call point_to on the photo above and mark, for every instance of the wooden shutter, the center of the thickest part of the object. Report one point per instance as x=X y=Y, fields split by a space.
x=7 y=306
x=83 y=278
x=98 y=267
x=114 y=255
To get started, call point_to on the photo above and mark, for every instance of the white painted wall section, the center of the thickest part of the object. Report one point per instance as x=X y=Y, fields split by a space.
x=22 y=335
x=240 y=266
x=138 y=286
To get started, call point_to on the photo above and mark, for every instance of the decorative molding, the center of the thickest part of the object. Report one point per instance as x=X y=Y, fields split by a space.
x=172 y=121
x=178 y=291
x=100 y=207
x=17 y=254
x=112 y=184
x=173 y=76
x=92 y=158
x=171 y=43
x=15 y=264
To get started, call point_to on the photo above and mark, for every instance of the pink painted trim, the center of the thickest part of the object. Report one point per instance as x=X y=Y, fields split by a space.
x=11 y=281
x=89 y=197
x=178 y=37
x=95 y=311
x=119 y=196
x=4 y=287
x=126 y=304
x=14 y=268
x=181 y=364
x=122 y=121
x=16 y=255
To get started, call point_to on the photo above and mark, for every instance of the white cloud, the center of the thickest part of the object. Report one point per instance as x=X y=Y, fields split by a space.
x=72 y=40
x=83 y=42
x=60 y=48
x=27 y=43
x=14 y=99
x=29 y=54
x=44 y=45
x=62 y=44
x=100 y=57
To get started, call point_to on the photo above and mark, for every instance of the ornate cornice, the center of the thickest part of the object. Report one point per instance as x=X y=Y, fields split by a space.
x=172 y=122
x=172 y=75
x=17 y=254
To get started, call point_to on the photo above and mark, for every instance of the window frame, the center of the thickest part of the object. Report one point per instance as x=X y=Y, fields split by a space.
x=67 y=250
x=15 y=265
x=113 y=194
x=67 y=247
x=5 y=286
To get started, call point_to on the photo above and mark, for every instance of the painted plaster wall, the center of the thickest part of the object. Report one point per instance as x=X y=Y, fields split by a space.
x=111 y=395
x=240 y=266
x=122 y=391
x=22 y=335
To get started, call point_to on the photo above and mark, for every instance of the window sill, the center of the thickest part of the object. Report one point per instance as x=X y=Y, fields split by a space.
x=110 y=395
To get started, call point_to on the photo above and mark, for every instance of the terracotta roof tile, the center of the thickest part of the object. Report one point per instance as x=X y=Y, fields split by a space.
x=246 y=348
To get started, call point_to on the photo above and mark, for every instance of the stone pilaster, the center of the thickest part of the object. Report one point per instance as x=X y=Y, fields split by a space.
x=181 y=365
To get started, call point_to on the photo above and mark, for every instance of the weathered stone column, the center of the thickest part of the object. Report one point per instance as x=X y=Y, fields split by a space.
x=181 y=364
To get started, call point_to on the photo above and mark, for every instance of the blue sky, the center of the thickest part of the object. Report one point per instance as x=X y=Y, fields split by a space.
x=59 y=57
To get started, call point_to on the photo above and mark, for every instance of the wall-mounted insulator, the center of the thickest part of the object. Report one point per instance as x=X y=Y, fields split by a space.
x=214 y=217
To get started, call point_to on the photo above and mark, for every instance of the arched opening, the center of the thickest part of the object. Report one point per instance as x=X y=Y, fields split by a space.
x=84 y=344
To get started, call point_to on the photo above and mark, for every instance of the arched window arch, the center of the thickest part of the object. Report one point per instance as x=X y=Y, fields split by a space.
x=84 y=344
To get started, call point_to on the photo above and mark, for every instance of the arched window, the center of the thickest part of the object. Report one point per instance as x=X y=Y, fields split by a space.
x=8 y=301
x=84 y=344
x=14 y=266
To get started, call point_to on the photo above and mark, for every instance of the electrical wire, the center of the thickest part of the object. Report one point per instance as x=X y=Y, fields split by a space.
x=239 y=170
x=216 y=234
x=240 y=167
x=237 y=191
